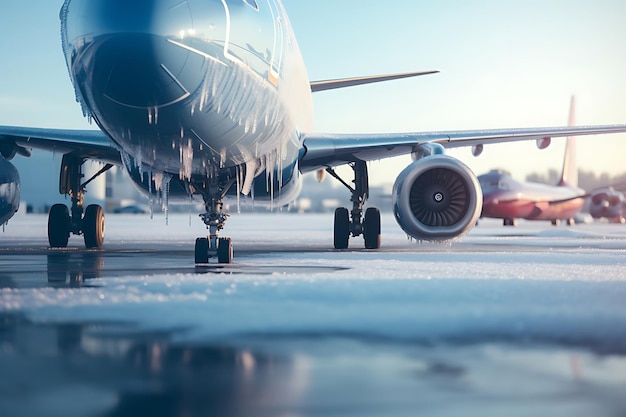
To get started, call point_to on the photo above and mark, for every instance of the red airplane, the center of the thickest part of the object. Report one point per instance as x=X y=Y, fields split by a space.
x=508 y=199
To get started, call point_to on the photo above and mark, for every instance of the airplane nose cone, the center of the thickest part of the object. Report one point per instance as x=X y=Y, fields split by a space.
x=120 y=52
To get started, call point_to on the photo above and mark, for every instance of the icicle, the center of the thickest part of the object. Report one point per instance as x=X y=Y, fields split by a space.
x=139 y=161
x=190 y=207
x=127 y=160
x=222 y=157
x=238 y=175
x=150 y=197
x=252 y=196
x=165 y=191
x=186 y=160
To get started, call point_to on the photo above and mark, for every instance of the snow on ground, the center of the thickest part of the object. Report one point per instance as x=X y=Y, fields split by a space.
x=565 y=282
x=514 y=321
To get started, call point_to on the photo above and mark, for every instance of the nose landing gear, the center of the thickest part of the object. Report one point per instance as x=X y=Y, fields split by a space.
x=214 y=219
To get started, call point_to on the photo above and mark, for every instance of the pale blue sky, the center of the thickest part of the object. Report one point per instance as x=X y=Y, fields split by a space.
x=504 y=64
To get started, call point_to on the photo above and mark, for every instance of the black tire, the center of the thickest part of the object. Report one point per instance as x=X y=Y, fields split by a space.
x=93 y=226
x=510 y=222
x=371 y=228
x=342 y=228
x=202 y=250
x=224 y=250
x=58 y=226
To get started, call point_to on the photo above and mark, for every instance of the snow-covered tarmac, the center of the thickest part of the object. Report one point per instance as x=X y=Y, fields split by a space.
x=508 y=321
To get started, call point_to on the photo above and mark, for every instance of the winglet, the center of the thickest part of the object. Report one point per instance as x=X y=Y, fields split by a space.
x=349 y=82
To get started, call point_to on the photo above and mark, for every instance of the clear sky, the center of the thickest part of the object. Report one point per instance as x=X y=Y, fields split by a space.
x=504 y=64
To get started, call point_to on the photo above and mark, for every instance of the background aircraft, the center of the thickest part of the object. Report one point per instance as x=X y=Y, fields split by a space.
x=212 y=100
x=508 y=199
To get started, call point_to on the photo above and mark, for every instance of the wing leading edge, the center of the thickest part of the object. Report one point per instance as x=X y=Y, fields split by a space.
x=350 y=82
x=327 y=150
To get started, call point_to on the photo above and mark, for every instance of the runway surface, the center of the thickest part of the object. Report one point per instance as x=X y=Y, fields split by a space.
x=507 y=321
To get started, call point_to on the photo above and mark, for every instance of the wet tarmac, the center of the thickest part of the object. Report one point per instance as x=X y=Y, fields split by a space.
x=525 y=321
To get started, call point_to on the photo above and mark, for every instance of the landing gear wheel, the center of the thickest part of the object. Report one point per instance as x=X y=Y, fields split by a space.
x=225 y=250
x=509 y=222
x=371 y=228
x=93 y=226
x=59 y=226
x=202 y=250
x=342 y=228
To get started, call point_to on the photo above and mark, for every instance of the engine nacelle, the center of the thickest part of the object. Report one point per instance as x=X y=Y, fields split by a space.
x=607 y=203
x=9 y=190
x=437 y=198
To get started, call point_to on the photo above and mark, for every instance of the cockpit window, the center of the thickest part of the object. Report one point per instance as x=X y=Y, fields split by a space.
x=503 y=185
x=252 y=3
x=494 y=183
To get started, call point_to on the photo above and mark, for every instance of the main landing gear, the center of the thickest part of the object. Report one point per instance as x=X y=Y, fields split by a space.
x=214 y=219
x=63 y=221
x=509 y=222
x=352 y=223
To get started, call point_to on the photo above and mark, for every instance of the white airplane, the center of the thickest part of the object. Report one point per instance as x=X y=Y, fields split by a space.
x=210 y=99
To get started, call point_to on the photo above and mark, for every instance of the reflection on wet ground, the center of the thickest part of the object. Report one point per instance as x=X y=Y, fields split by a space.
x=116 y=369
x=126 y=372
x=75 y=268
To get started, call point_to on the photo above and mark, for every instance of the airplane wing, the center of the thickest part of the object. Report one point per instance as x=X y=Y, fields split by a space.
x=349 y=82
x=328 y=150
x=91 y=144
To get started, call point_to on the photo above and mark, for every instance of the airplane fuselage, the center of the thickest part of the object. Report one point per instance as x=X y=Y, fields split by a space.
x=192 y=90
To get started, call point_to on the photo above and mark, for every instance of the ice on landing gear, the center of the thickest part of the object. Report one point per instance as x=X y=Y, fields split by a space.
x=351 y=223
x=63 y=221
x=214 y=219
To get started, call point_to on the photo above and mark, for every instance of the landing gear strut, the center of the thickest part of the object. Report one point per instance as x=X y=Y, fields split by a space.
x=63 y=221
x=214 y=218
x=353 y=223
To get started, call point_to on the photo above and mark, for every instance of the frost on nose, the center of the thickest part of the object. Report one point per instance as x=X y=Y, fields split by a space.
x=144 y=71
x=120 y=50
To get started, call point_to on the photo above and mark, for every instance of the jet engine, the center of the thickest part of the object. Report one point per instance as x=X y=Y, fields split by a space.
x=436 y=198
x=9 y=190
x=607 y=203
